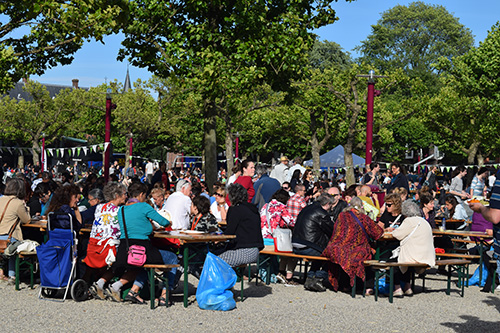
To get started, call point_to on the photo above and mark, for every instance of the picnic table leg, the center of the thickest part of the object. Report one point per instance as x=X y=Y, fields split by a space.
x=151 y=275
x=462 y=270
x=186 y=267
x=18 y=277
x=449 y=281
x=353 y=291
x=391 y=284
x=480 y=262
x=377 y=278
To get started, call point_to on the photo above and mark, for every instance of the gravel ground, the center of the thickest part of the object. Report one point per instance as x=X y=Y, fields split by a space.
x=274 y=308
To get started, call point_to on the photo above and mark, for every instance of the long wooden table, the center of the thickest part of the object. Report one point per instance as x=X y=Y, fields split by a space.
x=186 y=241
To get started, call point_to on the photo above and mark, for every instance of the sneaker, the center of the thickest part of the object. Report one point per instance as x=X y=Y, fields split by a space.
x=497 y=288
x=96 y=292
x=280 y=278
x=314 y=284
x=11 y=281
x=409 y=292
x=112 y=294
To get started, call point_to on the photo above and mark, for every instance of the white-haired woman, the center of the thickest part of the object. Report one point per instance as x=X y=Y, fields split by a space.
x=416 y=245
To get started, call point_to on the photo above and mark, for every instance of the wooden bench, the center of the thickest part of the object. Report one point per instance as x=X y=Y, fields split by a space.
x=152 y=274
x=24 y=258
x=305 y=258
x=458 y=265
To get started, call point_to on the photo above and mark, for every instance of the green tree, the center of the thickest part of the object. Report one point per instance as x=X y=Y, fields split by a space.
x=469 y=105
x=39 y=34
x=414 y=37
x=25 y=121
x=223 y=47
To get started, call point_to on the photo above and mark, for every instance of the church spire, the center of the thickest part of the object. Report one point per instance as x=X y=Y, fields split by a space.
x=126 y=85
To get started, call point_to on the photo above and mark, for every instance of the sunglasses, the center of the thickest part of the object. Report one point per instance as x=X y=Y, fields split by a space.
x=286 y=188
x=388 y=204
x=219 y=195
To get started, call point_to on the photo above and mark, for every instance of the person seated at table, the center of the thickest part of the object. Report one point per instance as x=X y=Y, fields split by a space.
x=247 y=173
x=135 y=216
x=349 y=247
x=39 y=199
x=402 y=192
x=201 y=218
x=370 y=202
x=456 y=211
x=311 y=234
x=243 y=220
x=219 y=207
x=13 y=212
x=427 y=208
x=104 y=237
x=157 y=198
x=94 y=197
x=63 y=203
x=392 y=216
x=416 y=246
x=273 y=215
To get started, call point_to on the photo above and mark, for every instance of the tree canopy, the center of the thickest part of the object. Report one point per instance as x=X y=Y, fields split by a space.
x=39 y=34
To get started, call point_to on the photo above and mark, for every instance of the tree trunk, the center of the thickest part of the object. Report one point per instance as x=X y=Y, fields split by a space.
x=229 y=152
x=210 y=144
x=20 y=161
x=36 y=148
x=472 y=152
x=315 y=150
x=348 y=148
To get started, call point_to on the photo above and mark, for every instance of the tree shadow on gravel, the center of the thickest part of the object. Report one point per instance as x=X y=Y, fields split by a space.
x=493 y=301
x=473 y=324
x=252 y=291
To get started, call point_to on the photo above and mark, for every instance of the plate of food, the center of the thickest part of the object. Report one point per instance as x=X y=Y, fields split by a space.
x=192 y=232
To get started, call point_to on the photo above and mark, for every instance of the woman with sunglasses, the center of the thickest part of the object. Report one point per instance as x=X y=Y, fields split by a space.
x=391 y=218
x=219 y=207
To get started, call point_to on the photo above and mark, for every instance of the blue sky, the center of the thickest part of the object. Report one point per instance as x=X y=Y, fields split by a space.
x=95 y=62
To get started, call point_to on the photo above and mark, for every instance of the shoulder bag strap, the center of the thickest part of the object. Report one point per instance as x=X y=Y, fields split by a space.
x=124 y=225
x=361 y=225
x=411 y=233
x=395 y=221
x=14 y=225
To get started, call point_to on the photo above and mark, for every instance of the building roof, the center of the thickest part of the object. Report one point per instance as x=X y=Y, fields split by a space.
x=19 y=93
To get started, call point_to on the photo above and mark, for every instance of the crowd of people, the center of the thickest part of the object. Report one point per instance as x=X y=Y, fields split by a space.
x=327 y=218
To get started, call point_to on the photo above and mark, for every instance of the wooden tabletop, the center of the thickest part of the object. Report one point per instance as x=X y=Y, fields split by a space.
x=192 y=238
x=42 y=224
x=461 y=233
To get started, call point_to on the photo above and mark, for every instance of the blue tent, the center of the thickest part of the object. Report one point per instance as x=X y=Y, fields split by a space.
x=335 y=159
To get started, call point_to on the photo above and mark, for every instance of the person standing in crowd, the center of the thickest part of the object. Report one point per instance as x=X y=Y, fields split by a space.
x=280 y=171
x=245 y=180
x=371 y=177
x=149 y=172
x=398 y=177
x=265 y=186
x=179 y=205
x=430 y=179
x=478 y=186
x=236 y=173
x=161 y=176
x=297 y=165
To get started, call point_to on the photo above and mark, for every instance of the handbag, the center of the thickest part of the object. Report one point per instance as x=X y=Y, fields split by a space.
x=4 y=243
x=396 y=251
x=282 y=237
x=136 y=253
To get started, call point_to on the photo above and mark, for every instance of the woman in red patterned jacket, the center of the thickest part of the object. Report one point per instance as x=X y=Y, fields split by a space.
x=349 y=247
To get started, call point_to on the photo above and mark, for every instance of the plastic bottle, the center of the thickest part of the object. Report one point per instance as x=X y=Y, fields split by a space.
x=444 y=223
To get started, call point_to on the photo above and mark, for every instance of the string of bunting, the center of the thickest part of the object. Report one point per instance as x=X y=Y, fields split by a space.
x=58 y=152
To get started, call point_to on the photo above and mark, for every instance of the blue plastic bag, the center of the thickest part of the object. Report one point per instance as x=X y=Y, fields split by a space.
x=474 y=279
x=216 y=280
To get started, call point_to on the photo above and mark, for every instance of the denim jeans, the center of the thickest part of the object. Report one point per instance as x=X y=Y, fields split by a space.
x=317 y=268
x=168 y=259
x=12 y=260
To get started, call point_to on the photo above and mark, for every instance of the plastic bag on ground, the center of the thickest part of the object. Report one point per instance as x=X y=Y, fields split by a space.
x=217 y=278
